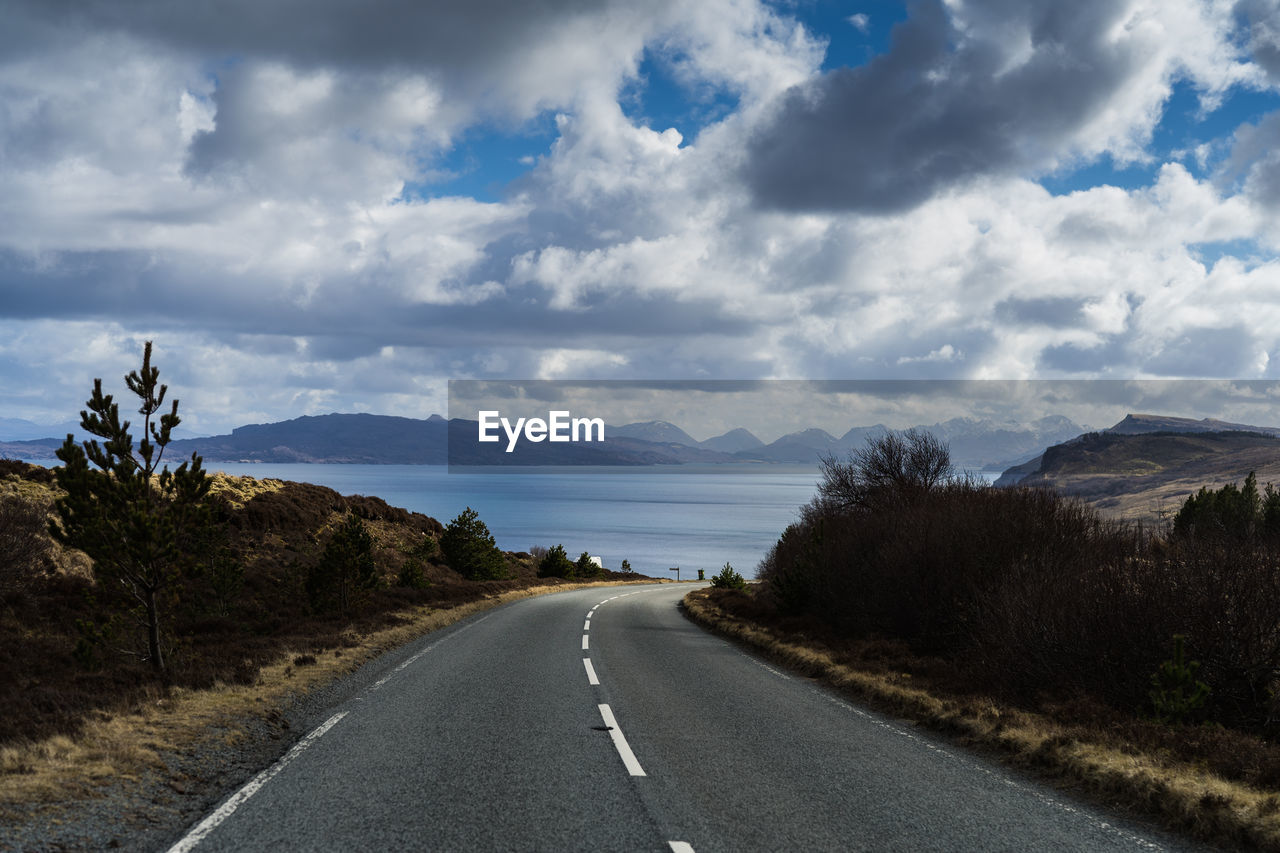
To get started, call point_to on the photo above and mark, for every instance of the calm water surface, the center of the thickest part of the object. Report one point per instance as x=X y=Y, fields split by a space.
x=691 y=516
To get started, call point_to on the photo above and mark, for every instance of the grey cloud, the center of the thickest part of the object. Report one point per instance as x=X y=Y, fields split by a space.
x=376 y=33
x=1056 y=312
x=1263 y=19
x=940 y=107
x=1202 y=352
x=903 y=353
x=1072 y=358
x=1224 y=352
x=1254 y=160
x=344 y=318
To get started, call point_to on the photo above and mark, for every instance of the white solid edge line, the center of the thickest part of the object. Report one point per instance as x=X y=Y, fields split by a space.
x=620 y=742
x=681 y=847
x=585 y=638
x=210 y=823
x=591 y=672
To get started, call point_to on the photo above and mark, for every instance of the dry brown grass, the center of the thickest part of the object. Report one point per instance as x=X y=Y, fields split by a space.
x=42 y=494
x=1185 y=797
x=61 y=769
x=239 y=490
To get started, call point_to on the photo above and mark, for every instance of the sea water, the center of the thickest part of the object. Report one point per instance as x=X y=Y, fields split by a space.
x=659 y=518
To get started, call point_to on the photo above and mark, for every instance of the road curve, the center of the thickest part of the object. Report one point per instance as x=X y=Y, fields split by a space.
x=601 y=719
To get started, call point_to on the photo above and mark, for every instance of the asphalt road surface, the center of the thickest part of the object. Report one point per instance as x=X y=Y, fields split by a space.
x=602 y=719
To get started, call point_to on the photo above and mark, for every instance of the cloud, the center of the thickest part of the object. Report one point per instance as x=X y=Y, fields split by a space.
x=1254 y=161
x=254 y=191
x=985 y=87
x=1053 y=311
x=1263 y=17
x=1209 y=352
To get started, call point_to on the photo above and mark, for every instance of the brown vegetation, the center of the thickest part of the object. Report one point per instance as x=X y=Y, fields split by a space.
x=1104 y=638
x=246 y=609
x=1035 y=595
x=1211 y=782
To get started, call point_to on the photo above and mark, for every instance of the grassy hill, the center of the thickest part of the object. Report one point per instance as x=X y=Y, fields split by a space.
x=67 y=662
x=1148 y=475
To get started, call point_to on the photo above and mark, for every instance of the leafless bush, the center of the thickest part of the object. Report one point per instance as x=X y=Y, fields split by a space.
x=895 y=467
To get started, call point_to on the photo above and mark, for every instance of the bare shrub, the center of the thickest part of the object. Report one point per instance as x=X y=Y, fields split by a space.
x=893 y=468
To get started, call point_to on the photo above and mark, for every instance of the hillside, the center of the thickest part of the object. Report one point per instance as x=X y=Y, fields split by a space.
x=1133 y=424
x=733 y=441
x=1138 y=424
x=244 y=608
x=372 y=439
x=1148 y=475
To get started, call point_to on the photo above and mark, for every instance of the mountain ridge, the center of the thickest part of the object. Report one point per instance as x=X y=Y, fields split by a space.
x=389 y=439
x=1131 y=424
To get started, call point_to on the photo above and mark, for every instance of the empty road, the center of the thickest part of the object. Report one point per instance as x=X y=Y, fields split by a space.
x=601 y=719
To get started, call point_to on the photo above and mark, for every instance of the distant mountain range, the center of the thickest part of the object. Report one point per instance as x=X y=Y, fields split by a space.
x=974 y=443
x=17 y=429
x=383 y=439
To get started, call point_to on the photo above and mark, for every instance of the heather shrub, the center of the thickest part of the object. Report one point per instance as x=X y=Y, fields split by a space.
x=24 y=542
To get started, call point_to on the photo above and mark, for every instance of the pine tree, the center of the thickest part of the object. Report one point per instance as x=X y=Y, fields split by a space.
x=469 y=548
x=587 y=568
x=556 y=564
x=346 y=569
x=137 y=526
x=728 y=579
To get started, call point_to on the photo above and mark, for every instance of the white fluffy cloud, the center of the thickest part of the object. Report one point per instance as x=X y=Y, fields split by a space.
x=256 y=197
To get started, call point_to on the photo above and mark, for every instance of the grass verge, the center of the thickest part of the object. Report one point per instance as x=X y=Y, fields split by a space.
x=1183 y=796
x=61 y=769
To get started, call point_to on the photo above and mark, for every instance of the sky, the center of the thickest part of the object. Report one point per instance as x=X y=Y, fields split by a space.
x=770 y=409
x=314 y=206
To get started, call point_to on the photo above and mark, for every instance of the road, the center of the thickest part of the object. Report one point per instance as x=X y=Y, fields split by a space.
x=602 y=719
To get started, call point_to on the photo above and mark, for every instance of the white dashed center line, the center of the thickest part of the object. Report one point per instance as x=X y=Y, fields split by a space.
x=620 y=742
